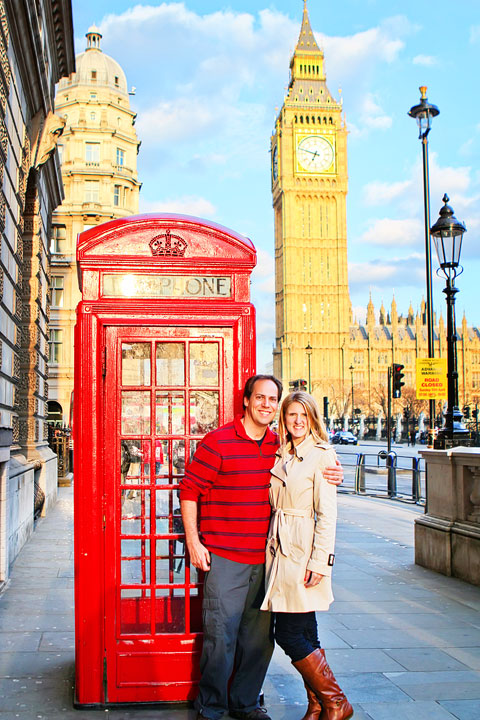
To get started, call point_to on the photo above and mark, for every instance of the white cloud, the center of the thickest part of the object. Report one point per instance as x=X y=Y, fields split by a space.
x=447 y=178
x=396 y=272
x=375 y=44
x=265 y=265
x=408 y=194
x=266 y=286
x=372 y=114
x=171 y=120
x=216 y=57
x=379 y=193
x=189 y=205
x=425 y=60
x=360 y=313
x=393 y=233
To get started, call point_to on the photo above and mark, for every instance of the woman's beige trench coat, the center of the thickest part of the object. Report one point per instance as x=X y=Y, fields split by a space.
x=302 y=529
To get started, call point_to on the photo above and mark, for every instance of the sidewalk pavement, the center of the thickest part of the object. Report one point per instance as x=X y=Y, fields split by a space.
x=404 y=642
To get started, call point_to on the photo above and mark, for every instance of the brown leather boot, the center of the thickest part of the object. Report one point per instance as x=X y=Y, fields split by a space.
x=318 y=676
x=314 y=709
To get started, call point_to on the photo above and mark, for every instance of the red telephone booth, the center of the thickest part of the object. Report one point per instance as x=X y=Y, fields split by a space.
x=165 y=339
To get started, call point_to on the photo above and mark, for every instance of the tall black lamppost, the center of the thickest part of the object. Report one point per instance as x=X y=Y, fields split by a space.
x=351 y=368
x=423 y=114
x=309 y=351
x=447 y=234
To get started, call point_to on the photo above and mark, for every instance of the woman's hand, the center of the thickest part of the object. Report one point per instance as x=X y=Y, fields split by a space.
x=334 y=475
x=312 y=578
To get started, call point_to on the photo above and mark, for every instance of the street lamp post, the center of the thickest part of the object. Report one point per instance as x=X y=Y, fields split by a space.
x=423 y=114
x=309 y=351
x=351 y=368
x=447 y=234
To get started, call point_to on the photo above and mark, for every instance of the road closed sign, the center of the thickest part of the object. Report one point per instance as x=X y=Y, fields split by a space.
x=432 y=379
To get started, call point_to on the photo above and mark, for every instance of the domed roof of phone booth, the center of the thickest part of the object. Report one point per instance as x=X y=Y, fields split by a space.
x=128 y=242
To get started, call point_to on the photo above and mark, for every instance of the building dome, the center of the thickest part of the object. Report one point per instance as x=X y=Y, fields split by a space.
x=96 y=69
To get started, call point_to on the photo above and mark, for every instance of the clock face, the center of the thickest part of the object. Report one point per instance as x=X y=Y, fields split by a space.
x=275 y=162
x=315 y=153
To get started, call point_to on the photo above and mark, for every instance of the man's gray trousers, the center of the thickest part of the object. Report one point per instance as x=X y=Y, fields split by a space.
x=237 y=638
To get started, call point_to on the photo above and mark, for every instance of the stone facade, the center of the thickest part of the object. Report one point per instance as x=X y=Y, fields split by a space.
x=99 y=147
x=36 y=49
x=447 y=537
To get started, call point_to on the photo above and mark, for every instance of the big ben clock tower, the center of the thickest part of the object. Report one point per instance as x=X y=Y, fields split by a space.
x=309 y=187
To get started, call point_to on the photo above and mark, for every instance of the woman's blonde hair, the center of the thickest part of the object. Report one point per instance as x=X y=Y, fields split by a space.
x=315 y=422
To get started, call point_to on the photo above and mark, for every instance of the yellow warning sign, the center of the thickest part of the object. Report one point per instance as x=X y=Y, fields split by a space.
x=432 y=379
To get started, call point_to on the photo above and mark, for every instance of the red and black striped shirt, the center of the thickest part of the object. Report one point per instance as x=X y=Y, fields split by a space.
x=230 y=478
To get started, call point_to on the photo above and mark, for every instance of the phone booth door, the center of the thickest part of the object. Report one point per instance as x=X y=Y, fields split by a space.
x=165 y=388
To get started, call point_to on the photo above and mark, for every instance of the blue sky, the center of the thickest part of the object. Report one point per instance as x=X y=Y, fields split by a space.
x=209 y=76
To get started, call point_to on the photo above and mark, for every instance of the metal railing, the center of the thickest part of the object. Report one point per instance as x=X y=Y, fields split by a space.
x=60 y=441
x=382 y=474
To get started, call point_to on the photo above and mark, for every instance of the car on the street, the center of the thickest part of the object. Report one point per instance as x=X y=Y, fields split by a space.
x=344 y=437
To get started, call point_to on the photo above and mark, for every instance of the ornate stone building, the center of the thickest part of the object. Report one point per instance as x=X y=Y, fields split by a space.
x=36 y=49
x=316 y=337
x=98 y=149
x=374 y=346
x=309 y=186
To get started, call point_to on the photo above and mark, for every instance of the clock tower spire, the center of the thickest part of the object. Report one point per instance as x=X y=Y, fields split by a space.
x=309 y=188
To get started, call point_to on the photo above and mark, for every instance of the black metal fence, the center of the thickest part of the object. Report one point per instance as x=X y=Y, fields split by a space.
x=382 y=474
x=60 y=441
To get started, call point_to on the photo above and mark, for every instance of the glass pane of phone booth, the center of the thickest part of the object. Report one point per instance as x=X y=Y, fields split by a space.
x=169 y=398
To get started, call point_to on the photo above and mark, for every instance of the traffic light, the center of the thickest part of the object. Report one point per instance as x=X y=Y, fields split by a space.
x=397 y=376
x=325 y=407
x=475 y=413
x=466 y=412
x=297 y=385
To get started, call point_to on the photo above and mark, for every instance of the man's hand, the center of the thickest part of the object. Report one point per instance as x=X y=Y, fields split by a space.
x=334 y=475
x=199 y=555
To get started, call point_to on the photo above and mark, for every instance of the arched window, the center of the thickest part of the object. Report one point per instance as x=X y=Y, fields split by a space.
x=54 y=413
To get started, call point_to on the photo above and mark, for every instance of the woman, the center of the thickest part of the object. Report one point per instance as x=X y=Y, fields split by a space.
x=300 y=551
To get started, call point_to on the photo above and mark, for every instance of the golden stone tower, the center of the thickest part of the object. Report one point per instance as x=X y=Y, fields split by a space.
x=98 y=152
x=309 y=187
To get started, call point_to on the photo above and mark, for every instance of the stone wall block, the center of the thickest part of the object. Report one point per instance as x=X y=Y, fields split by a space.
x=447 y=537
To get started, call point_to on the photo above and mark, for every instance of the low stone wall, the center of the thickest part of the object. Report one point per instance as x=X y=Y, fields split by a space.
x=19 y=482
x=447 y=537
x=20 y=495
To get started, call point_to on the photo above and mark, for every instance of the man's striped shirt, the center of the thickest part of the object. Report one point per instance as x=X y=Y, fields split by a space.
x=230 y=478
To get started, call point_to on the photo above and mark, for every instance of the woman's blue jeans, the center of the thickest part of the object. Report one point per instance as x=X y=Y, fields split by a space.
x=297 y=634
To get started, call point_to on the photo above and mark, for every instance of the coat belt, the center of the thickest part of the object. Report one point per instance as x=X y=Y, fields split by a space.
x=280 y=532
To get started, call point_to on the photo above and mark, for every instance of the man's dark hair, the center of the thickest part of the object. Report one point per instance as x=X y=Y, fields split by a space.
x=248 y=389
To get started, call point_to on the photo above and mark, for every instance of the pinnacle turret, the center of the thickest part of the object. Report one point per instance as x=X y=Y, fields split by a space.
x=306 y=40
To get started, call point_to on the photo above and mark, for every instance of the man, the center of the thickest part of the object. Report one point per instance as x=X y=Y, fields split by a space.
x=230 y=477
